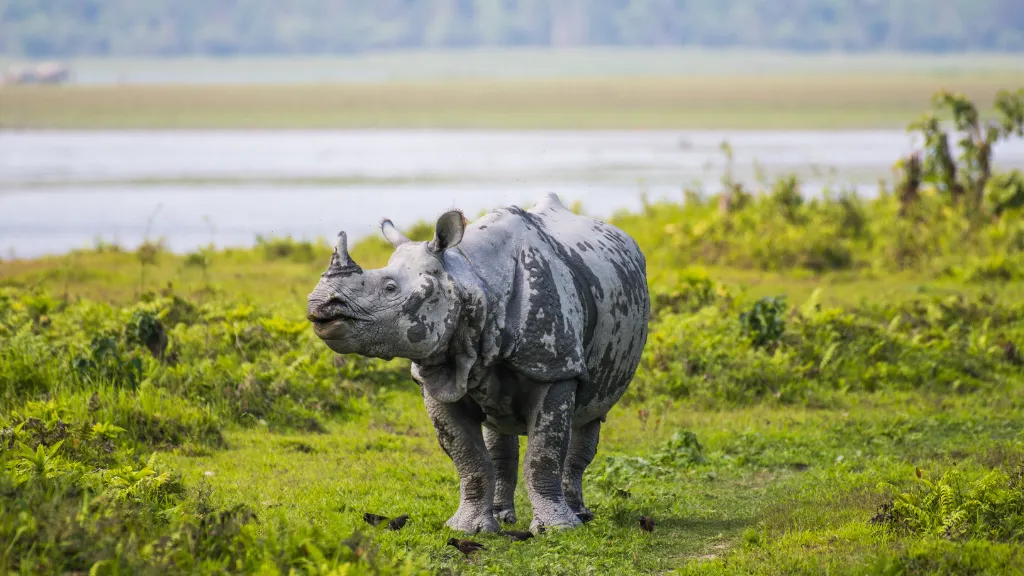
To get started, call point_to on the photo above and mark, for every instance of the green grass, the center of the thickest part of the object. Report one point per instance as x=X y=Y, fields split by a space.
x=808 y=475
x=789 y=100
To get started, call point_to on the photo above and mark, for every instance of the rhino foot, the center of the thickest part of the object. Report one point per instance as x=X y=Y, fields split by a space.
x=505 y=515
x=473 y=521
x=553 y=516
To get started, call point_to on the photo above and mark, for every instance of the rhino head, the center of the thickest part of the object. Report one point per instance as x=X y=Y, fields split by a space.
x=408 y=309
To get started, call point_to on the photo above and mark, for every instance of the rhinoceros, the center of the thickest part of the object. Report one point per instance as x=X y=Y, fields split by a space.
x=527 y=322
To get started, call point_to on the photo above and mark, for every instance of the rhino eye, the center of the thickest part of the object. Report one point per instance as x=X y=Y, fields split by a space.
x=391 y=287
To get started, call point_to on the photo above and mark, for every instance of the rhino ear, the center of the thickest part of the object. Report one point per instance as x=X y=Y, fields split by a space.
x=392 y=234
x=450 y=228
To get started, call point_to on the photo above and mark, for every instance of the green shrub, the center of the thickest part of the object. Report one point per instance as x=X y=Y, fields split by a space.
x=288 y=249
x=244 y=364
x=958 y=507
x=763 y=323
x=689 y=293
x=721 y=355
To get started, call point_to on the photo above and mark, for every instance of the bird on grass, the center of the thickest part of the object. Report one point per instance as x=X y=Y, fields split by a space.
x=398 y=522
x=647 y=524
x=467 y=547
x=517 y=535
x=374 y=519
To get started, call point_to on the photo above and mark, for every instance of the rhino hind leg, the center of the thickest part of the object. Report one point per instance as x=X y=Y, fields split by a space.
x=461 y=437
x=548 y=430
x=504 y=451
x=582 y=449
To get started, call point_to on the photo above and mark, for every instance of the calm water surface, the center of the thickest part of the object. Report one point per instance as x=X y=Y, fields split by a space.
x=63 y=190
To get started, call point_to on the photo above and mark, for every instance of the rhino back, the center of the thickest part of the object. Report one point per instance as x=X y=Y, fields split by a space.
x=573 y=294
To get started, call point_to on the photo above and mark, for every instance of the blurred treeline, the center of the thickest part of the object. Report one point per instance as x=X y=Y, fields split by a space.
x=44 y=28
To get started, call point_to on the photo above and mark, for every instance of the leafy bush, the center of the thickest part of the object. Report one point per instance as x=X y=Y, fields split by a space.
x=716 y=356
x=243 y=364
x=763 y=322
x=289 y=249
x=688 y=294
x=958 y=507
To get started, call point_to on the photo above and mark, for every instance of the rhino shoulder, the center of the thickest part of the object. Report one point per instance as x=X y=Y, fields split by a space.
x=545 y=318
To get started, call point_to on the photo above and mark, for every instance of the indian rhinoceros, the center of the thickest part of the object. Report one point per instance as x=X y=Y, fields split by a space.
x=527 y=322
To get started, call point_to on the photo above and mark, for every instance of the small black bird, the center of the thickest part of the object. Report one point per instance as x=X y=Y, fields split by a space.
x=398 y=522
x=467 y=547
x=517 y=535
x=585 y=516
x=373 y=519
x=647 y=524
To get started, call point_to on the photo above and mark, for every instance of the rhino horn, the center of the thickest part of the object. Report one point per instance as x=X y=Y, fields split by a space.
x=341 y=262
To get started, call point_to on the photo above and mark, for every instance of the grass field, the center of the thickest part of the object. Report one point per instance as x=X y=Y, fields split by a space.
x=791 y=100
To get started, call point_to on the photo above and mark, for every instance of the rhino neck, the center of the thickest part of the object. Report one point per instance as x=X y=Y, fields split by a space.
x=448 y=374
x=477 y=267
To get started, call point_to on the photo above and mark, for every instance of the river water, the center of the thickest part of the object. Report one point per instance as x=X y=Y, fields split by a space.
x=64 y=190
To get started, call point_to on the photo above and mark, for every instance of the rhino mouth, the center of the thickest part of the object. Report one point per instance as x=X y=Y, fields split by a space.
x=336 y=317
x=323 y=325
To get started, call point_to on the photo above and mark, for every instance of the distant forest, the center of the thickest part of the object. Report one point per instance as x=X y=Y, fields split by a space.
x=59 y=28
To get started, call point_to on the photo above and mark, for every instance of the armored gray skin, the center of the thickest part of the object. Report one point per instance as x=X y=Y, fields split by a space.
x=523 y=323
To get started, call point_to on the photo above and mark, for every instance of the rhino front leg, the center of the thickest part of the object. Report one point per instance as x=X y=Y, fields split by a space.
x=504 y=450
x=461 y=437
x=548 y=430
x=582 y=449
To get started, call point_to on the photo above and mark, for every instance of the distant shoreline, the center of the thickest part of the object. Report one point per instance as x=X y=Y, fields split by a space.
x=519 y=64
x=744 y=101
